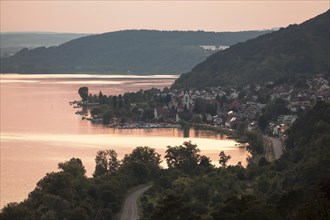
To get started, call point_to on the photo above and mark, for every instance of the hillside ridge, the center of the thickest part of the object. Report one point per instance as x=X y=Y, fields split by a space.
x=281 y=55
x=125 y=52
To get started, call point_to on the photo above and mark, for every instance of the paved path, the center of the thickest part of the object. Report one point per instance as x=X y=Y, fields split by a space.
x=277 y=146
x=130 y=209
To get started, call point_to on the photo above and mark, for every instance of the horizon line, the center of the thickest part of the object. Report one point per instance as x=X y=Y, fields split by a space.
x=173 y=30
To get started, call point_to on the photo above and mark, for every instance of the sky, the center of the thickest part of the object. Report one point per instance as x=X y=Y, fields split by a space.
x=108 y=15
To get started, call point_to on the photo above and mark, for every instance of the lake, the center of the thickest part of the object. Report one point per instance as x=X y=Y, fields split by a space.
x=39 y=128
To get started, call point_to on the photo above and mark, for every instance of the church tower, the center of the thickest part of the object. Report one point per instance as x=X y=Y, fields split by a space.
x=186 y=97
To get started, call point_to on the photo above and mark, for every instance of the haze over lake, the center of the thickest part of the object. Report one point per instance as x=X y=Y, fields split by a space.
x=39 y=128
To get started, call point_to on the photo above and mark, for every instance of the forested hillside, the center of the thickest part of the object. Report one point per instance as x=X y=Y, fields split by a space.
x=134 y=51
x=281 y=55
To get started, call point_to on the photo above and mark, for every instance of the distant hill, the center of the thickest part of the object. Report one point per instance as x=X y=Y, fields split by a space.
x=132 y=51
x=281 y=55
x=12 y=42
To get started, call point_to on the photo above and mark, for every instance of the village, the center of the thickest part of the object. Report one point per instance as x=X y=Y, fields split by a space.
x=271 y=108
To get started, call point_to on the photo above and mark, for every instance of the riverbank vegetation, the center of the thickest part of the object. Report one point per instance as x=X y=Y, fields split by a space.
x=296 y=186
x=127 y=108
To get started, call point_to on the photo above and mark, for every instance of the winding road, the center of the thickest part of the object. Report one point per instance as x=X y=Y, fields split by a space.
x=130 y=209
x=277 y=146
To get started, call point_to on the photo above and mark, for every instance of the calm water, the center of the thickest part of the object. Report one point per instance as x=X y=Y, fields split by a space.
x=39 y=128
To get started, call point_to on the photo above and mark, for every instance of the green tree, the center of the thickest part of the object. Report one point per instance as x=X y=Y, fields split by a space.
x=202 y=192
x=114 y=102
x=148 y=114
x=120 y=102
x=74 y=167
x=127 y=102
x=106 y=162
x=59 y=184
x=173 y=207
x=16 y=211
x=255 y=141
x=145 y=155
x=103 y=99
x=49 y=215
x=99 y=110
x=223 y=159
x=107 y=116
x=263 y=122
x=79 y=213
x=83 y=92
x=143 y=163
x=247 y=207
x=206 y=163
x=199 y=106
x=184 y=157
x=271 y=112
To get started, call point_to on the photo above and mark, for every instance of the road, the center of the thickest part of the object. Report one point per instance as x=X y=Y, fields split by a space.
x=277 y=146
x=130 y=209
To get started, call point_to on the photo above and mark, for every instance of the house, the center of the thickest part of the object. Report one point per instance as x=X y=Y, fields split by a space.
x=252 y=126
x=286 y=119
x=217 y=120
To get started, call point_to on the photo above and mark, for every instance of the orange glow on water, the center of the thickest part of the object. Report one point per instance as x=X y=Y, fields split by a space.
x=39 y=129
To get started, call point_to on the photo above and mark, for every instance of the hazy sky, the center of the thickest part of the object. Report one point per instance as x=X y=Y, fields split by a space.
x=104 y=16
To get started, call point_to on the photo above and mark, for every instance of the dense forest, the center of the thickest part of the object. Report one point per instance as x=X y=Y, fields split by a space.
x=288 y=54
x=132 y=51
x=296 y=186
